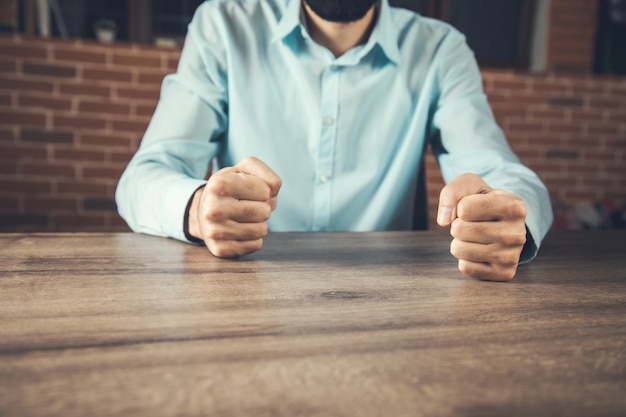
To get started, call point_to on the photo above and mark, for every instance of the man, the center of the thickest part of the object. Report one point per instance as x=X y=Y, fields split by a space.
x=335 y=100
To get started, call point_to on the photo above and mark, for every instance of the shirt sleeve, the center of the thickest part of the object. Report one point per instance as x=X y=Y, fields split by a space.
x=468 y=139
x=183 y=136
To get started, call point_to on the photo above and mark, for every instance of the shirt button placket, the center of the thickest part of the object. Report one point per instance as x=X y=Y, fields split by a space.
x=329 y=107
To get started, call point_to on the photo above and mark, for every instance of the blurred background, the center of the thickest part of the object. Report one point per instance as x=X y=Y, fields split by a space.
x=79 y=80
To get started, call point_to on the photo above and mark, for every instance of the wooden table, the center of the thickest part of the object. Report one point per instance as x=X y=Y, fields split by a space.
x=337 y=324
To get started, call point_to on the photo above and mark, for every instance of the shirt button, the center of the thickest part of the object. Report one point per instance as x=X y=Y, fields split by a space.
x=329 y=121
x=324 y=178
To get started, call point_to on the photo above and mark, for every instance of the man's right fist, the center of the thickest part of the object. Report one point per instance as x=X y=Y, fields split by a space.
x=230 y=213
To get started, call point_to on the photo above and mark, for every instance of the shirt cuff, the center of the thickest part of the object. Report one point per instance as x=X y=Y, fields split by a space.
x=530 y=249
x=188 y=235
x=175 y=203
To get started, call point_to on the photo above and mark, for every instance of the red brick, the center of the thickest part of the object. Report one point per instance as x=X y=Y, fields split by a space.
x=84 y=187
x=130 y=125
x=103 y=108
x=9 y=203
x=107 y=75
x=46 y=136
x=85 y=90
x=142 y=60
x=78 y=222
x=8 y=66
x=48 y=170
x=516 y=84
x=148 y=94
x=82 y=56
x=22 y=151
x=22 y=51
x=8 y=166
x=586 y=115
x=49 y=70
x=548 y=113
x=172 y=63
x=528 y=154
x=99 y=204
x=563 y=153
x=73 y=154
x=551 y=86
x=616 y=170
x=503 y=113
x=22 y=117
x=20 y=185
x=102 y=172
x=607 y=102
x=524 y=126
x=78 y=122
x=121 y=157
x=566 y=101
x=603 y=129
x=11 y=83
x=7 y=135
x=146 y=78
x=564 y=127
x=523 y=99
x=23 y=222
x=45 y=102
x=605 y=155
x=145 y=110
x=6 y=100
x=106 y=140
x=47 y=204
x=580 y=142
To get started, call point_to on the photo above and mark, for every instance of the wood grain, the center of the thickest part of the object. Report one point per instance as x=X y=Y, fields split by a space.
x=328 y=324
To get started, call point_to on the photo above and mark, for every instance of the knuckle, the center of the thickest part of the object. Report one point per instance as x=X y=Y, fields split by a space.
x=217 y=185
x=256 y=245
x=517 y=209
x=266 y=212
x=514 y=238
x=455 y=249
x=462 y=208
x=213 y=232
x=245 y=248
x=213 y=212
x=263 y=229
x=260 y=212
x=221 y=251
x=259 y=231
x=505 y=274
x=506 y=258
x=466 y=269
x=454 y=228
x=276 y=183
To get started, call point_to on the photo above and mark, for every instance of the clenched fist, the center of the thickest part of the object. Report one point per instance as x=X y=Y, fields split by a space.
x=488 y=227
x=230 y=213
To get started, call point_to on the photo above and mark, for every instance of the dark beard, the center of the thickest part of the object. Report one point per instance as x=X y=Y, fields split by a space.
x=343 y=11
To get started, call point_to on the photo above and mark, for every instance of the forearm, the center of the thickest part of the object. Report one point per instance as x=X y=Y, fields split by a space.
x=152 y=199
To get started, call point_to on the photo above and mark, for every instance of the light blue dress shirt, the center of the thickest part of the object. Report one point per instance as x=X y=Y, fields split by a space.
x=346 y=134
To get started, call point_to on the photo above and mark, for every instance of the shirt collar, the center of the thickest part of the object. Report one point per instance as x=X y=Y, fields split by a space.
x=289 y=20
x=385 y=33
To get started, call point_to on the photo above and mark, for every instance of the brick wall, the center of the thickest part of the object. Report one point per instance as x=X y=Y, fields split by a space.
x=73 y=112
x=571 y=35
x=7 y=13
x=71 y=115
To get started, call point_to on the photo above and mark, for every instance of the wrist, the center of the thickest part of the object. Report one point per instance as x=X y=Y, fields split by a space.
x=191 y=222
